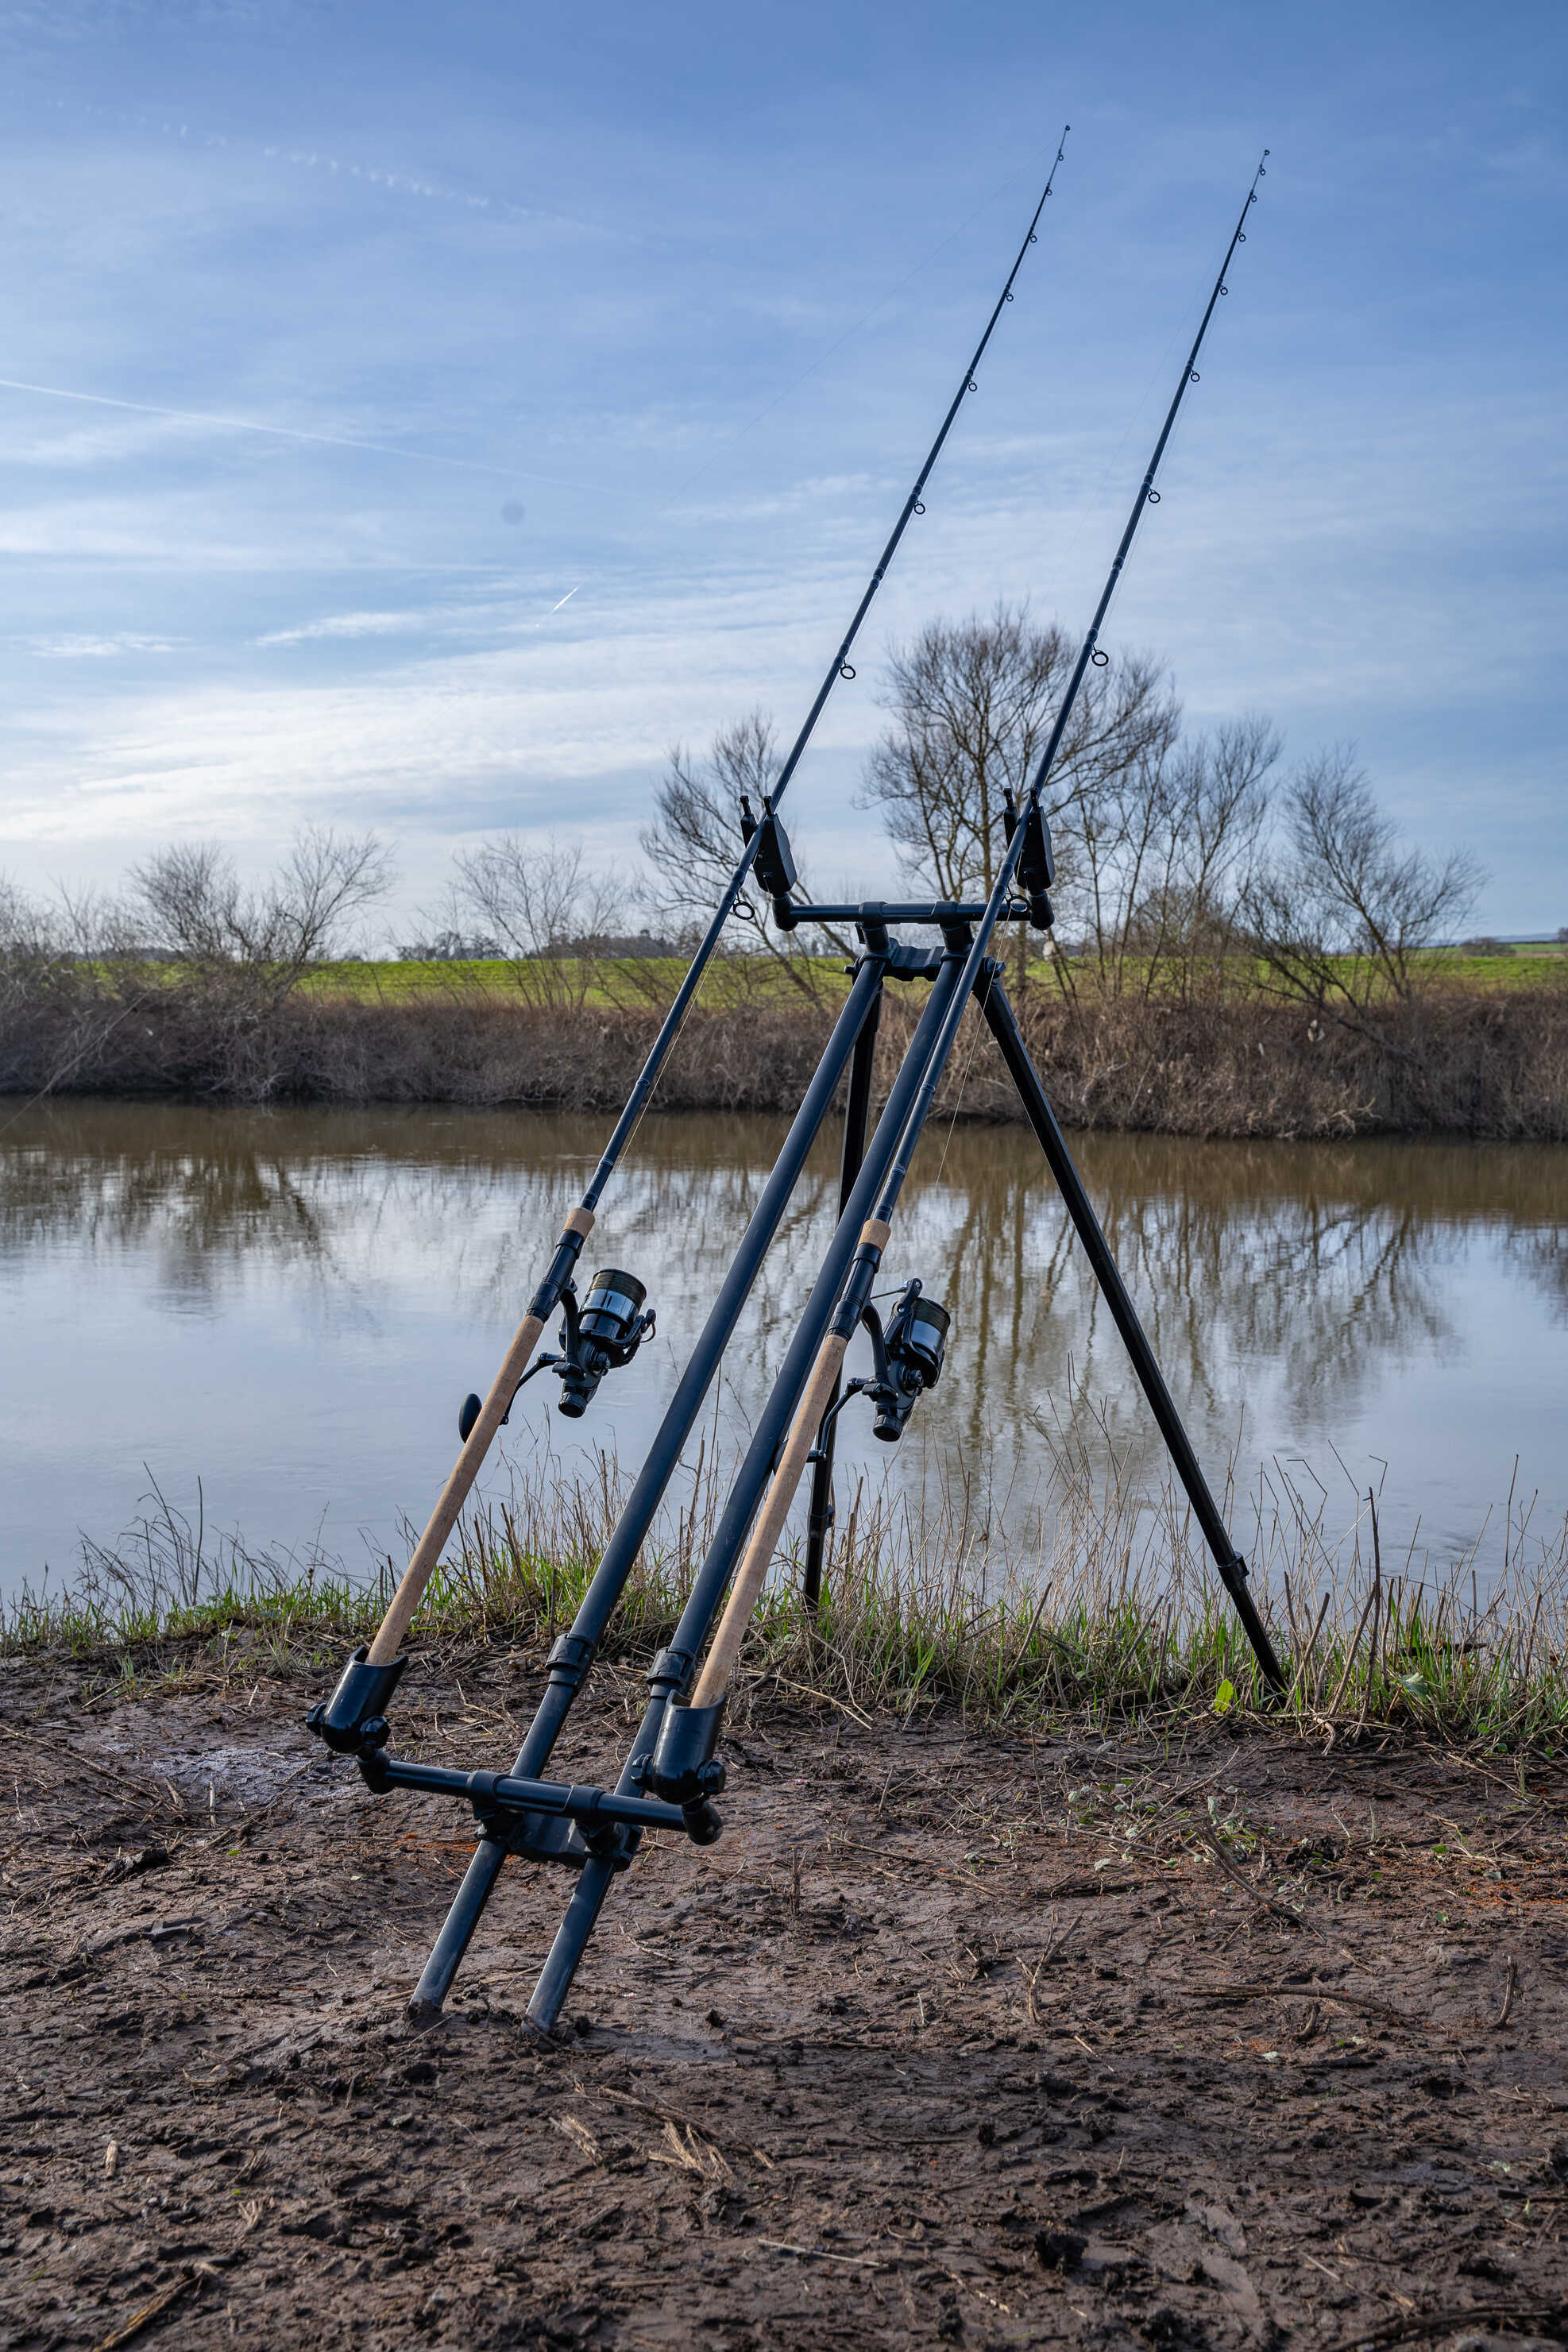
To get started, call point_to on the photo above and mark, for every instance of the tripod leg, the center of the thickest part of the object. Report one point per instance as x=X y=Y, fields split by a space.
x=570 y=1658
x=1004 y=1026
x=856 y=1115
x=773 y=1427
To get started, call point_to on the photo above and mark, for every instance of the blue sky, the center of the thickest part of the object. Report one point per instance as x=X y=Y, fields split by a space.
x=690 y=288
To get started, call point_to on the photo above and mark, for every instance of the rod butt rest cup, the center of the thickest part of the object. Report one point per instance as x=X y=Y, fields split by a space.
x=685 y=1770
x=353 y=1720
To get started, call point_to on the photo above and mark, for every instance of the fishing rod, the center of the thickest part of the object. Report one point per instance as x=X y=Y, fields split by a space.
x=604 y=1334
x=673 y=1773
x=1027 y=857
x=673 y=1759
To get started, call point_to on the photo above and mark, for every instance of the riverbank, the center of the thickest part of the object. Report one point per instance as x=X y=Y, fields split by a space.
x=1114 y=1616
x=959 y=2036
x=1490 y=1064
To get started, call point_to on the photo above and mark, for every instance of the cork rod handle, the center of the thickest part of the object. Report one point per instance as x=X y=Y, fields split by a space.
x=454 y=1493
x=720 y=1663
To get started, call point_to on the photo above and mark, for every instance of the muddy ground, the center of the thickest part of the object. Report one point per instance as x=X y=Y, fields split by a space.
x=971 y=2040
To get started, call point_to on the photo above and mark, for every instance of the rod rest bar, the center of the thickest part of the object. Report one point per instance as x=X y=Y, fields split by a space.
x=788 y=913
x=499 y=1794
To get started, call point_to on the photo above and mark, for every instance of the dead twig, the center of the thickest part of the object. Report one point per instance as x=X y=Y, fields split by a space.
x=1264 y=1902
x=1511 y=1986
x=1444 y=2322
x=151 y=2311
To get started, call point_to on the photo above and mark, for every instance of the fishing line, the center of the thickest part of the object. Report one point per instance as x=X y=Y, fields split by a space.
x=671 y=497
x=1005 y=188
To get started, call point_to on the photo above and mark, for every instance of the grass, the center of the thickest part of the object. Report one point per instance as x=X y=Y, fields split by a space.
x=1112 y=1617
x=623 y=980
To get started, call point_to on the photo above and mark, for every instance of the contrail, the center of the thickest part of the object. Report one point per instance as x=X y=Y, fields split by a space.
x=566 y=600
x=291 y=432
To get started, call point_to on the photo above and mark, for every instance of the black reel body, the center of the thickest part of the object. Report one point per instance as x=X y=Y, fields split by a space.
x=600 y=1335
x=604 y=1335
x=910 y=1359
x=909 y=1350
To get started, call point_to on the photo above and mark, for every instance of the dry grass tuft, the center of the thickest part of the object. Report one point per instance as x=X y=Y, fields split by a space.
x=1112 y=1614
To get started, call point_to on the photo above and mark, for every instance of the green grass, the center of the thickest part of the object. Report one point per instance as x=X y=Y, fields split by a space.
x=1115 y=1617
x=629 y=980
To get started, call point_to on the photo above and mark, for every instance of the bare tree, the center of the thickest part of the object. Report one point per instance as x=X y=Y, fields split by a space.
x=1345 y=918
x=541 y=899
x=694 y=839
x=1162 y=853
x=192 y=907
x=973 y=702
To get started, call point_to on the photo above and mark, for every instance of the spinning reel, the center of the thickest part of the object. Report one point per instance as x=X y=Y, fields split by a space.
x=908 y=1353
x=599 y=1336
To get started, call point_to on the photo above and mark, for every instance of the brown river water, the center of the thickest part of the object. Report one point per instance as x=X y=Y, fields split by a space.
x=278 y=1312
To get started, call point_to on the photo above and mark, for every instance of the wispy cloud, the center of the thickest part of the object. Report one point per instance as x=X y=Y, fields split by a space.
x=348 y=624
x=88 y=648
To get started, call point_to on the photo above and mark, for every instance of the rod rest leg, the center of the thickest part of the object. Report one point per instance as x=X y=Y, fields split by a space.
x=353 y=1720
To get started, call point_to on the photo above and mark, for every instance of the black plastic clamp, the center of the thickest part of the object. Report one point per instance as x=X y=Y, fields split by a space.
x=569 y=1659
x=353 y=1720
x=670 y=1671
x=685 y=1772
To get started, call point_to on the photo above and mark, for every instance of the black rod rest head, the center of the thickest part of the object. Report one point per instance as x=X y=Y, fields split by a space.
x=353 y=1720
x=774 y=864
x=1037 y=860
x=685 y=1772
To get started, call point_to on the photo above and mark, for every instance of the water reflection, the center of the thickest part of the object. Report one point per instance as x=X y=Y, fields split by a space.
x=291 y=1302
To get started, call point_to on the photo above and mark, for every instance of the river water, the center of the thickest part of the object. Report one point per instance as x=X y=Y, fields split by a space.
x=288 y=1306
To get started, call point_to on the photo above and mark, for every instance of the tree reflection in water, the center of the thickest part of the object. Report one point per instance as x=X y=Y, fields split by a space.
x=1300 y=1286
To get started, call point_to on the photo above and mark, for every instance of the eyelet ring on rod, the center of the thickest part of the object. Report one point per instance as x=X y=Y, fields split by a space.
x=971 y=385
x=1008 y=295
x=1193 y=377
x=1153 y=497
x=846 y=669
x=1101 y=660
x=920 y=506
x=1224 y=290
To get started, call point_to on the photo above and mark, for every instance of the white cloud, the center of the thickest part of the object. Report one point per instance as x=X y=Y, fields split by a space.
x=88 y=648
x=348 y=625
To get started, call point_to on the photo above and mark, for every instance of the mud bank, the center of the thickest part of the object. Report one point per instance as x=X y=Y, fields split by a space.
x=978 y=2040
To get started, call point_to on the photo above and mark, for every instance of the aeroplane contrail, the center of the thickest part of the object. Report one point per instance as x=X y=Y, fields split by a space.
x=288 y=433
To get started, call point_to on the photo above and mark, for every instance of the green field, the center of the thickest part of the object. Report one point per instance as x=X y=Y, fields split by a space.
x=645 y=981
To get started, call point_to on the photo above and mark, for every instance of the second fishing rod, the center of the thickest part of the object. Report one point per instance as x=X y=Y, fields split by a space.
x=609 y=1319
x=1026 y=841
x=673 y=1755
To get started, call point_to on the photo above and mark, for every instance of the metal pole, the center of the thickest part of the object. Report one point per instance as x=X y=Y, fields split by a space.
x=673 y=1665
x=1002 y=1023
x=857 y=1116
x=571 y=1654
